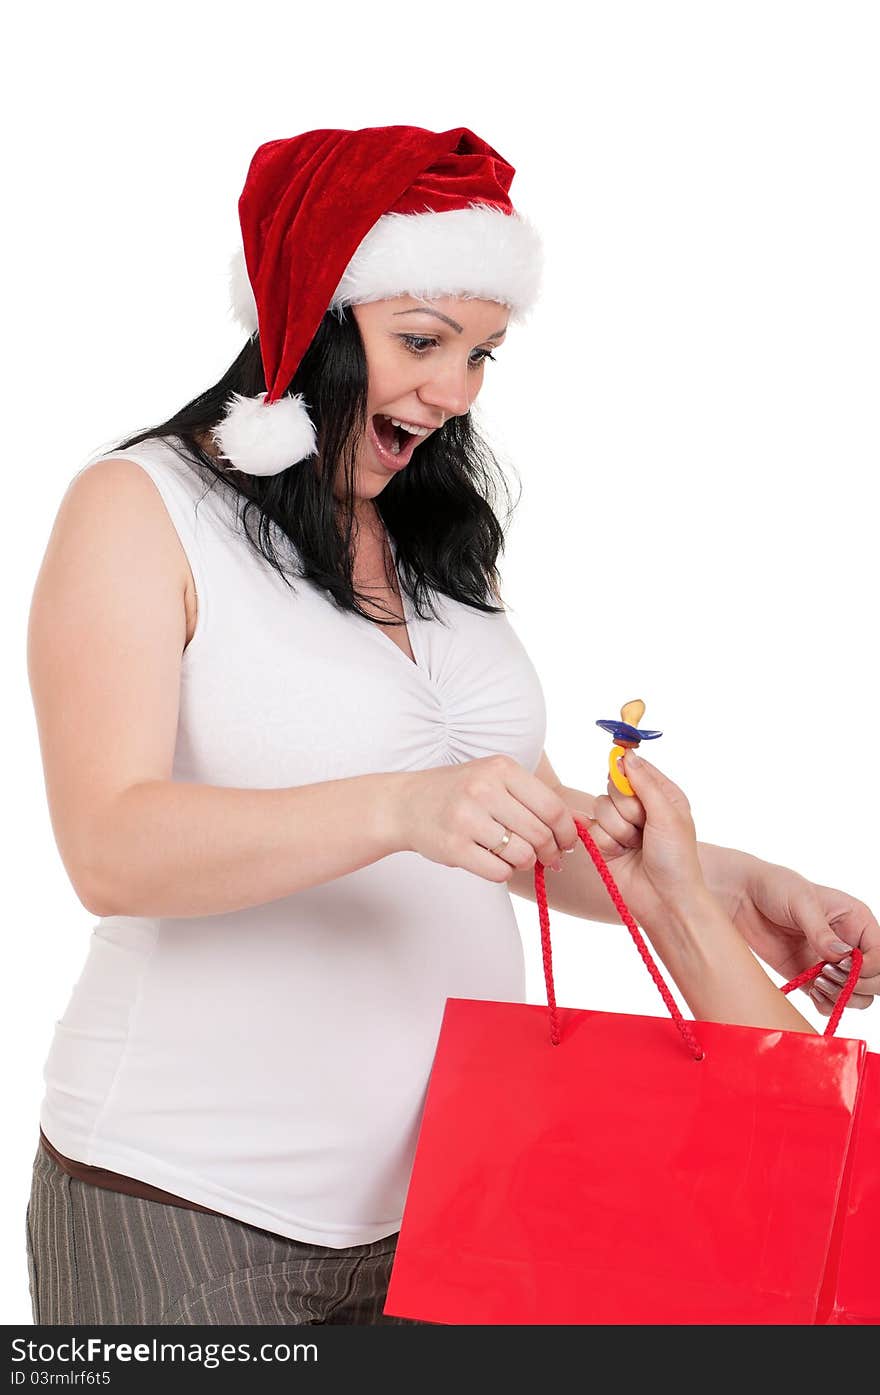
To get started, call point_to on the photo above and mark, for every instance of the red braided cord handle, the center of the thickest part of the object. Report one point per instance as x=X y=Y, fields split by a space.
x=623 y=911
x=843 y=997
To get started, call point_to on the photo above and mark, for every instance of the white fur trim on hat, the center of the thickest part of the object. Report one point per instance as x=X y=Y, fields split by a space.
x=478 y=253
x=262 y=438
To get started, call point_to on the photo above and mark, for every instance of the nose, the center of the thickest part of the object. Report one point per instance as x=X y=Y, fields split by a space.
x=447 y=390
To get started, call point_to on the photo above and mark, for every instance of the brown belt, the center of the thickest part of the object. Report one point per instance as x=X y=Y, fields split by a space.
x=118 y=1182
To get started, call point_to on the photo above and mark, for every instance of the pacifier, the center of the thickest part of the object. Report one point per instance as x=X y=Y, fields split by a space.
x=627 y=736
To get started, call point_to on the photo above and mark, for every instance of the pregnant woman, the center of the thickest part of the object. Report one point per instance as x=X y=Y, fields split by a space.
x=294 y=758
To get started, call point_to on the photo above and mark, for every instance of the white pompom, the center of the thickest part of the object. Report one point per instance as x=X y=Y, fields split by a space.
x=264 y=439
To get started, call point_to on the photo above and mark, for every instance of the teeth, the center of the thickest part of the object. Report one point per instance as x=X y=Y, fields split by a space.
x=407 y=426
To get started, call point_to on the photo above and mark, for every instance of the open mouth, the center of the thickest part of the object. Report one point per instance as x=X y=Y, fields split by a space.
x=394 y=443
x=393 y=437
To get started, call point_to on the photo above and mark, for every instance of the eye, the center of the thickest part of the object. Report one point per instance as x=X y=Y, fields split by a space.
x=411 y=340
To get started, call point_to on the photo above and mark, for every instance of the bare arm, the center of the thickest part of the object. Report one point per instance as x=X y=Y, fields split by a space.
x=172 y=849
x=106 y=635
x=717 y=974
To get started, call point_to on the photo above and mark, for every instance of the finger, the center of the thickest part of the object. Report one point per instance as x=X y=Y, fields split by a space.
x=494 y=867
x=608 y=846
x=854 y=924
x=667 y=809
x=517 y=852
x=856 y=1000
x=630 y=809
x=825 y=998
x=807 y=914
x=532 y=831
x=524 y=819
x=665 y=803
x=827 y=988
x=866 y=984
x=545 y=804
x=859 y=995
x=619 y=829
x=821 y=1003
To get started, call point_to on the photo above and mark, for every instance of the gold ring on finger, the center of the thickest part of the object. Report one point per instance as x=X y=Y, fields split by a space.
x=499 y=847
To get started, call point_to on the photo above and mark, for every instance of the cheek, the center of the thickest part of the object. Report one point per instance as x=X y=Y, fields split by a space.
x=383 y=377
x=390 y=377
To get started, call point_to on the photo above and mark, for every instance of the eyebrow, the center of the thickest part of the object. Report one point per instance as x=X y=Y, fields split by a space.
x=446 y=320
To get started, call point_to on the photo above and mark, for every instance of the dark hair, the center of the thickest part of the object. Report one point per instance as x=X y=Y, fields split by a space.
x=437 y=510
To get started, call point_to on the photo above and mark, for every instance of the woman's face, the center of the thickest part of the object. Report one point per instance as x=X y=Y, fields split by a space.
x=425 y=364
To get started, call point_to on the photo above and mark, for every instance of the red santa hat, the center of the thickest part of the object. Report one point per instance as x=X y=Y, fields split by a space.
x=336 y=218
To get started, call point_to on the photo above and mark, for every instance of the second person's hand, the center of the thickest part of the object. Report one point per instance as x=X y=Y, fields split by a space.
x=652 y=852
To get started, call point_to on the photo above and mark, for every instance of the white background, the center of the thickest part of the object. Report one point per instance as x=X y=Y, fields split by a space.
x=692 y=409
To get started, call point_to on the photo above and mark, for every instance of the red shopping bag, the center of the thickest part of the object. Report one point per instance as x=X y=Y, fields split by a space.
x=590 y=1167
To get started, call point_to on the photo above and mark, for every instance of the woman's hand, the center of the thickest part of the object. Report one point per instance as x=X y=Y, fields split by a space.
x=453 y=814
x=653 y=848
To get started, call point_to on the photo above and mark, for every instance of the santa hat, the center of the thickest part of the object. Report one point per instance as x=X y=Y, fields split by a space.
x=336 y=218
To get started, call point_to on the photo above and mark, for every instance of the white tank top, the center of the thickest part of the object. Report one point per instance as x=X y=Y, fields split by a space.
x=271 y=1063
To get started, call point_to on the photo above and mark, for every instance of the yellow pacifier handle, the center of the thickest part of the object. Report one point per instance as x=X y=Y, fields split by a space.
x=617 y=775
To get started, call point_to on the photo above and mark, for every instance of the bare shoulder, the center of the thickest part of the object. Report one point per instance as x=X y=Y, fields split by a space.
x=115 y=495
x=113 y=542
x=116 y=489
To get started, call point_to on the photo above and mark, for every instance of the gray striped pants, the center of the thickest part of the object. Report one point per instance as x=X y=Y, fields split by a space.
x=96 y=1256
